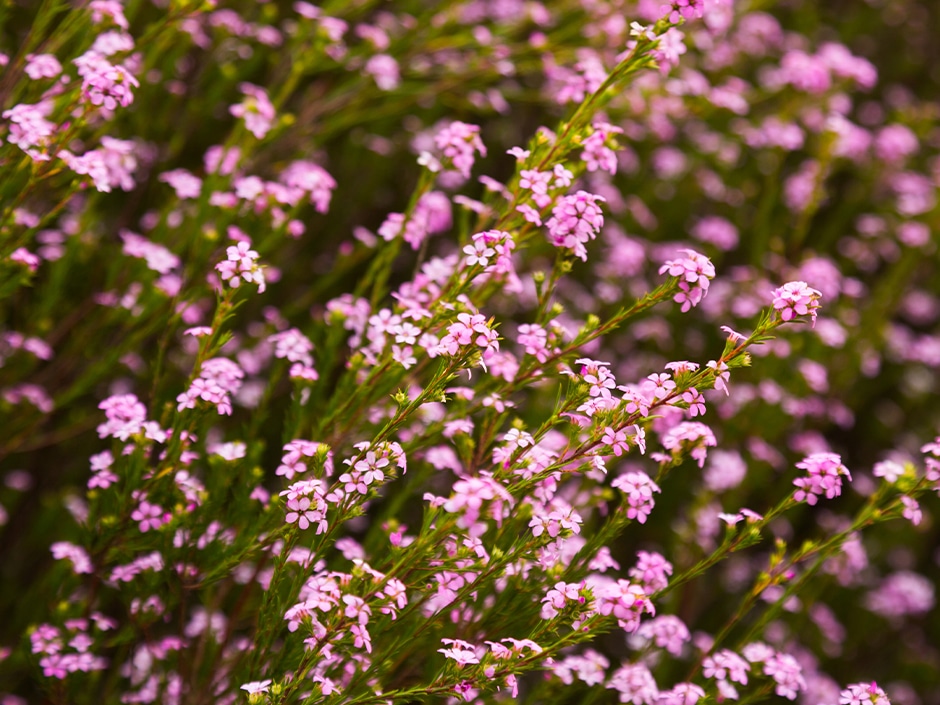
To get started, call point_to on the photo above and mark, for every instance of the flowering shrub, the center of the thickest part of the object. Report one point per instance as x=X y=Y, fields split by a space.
x=255 y=449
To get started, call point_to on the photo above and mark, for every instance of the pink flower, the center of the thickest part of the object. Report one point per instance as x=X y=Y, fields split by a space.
x=667 y=632
x=361 y=637
x=292 y=345
x=29 y=127
x=894 y=143
x=306 y=505
x=626 y=601
x=158 y=258
x=183 y=182
x=717 y=231
x=824 y=477
x=652 y=571
x=384 y=71
x=597 y=155
x=726 y=665
x=457 y=143
x=694 y=272
x=305 y=177
x=218 y=379
x=635 y=684
x=796 y=299
x=559 y=596
x=292 y=462
x=40 y=66
x=691 y=436
x=25 y=257
x=81 y=561
x=787 y=673
x=679 y=10
x=470 y=329
x=110 y=166
x=695 y=401
x=105 y=84
x=149 y=516
x=241 y=264
x=863 y=694
x=638 y=490
x=459 y=651
x=257 y=110
x=125 y=414
x=576 y=220
x=911 y=511
x=255 y=687
x=617 y=440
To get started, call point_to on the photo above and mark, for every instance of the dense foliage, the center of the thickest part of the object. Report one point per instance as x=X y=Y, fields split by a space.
x=575 y=351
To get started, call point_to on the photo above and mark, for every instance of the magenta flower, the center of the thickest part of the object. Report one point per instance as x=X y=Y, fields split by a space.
x=149 y=516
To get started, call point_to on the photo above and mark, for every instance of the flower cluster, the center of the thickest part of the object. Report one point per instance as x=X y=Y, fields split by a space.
x=218 y=379
x=309 y=495
x=638 y=491
x=824 y=477
x=457 y=143
x=469 y=329
x=796 y=299
x=240 y=265
x=105 y=84
x=694 y=272
x=576 y=220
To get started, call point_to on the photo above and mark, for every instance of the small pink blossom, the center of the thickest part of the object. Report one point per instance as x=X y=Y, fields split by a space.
x=256 y=109
x=824 y=477
x=796 y=299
